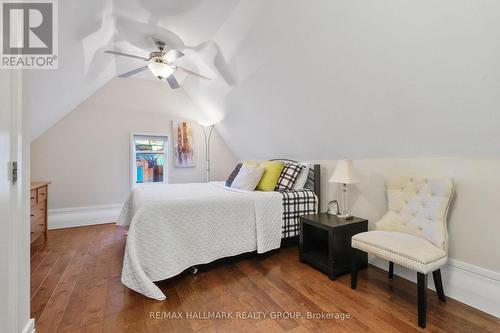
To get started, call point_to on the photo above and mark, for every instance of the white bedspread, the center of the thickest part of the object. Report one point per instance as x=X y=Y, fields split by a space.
x=176 y=226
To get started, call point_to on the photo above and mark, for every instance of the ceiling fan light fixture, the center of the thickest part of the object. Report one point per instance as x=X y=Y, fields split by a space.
x=160 y=69
x=160 y=63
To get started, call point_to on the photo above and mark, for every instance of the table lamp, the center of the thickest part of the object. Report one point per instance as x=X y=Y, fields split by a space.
x=344 y=174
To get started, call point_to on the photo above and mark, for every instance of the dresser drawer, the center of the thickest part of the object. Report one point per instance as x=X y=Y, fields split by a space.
x=41 y=194
x=38 y=211
x=37 y=229
x=33 y=197
x=40 y=223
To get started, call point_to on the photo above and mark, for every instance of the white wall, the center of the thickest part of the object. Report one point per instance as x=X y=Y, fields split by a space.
x=86 y=155
x=85 y=31
x=364 y=79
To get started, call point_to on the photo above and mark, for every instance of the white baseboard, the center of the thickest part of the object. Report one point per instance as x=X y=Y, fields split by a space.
x=82 y=216
x=469 y=284
x=30 y=326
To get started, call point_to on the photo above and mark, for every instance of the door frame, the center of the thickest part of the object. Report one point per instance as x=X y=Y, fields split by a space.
x=16 y=226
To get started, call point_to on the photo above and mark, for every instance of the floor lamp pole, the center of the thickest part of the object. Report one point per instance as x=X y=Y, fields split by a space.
x=207 y=148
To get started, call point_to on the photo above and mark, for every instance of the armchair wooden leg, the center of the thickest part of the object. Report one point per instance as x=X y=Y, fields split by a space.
x=354 y=268
x=439 y=285
x=391 y=270
x=422 y=298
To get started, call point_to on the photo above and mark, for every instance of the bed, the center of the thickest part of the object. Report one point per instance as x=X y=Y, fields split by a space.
x=177 y=226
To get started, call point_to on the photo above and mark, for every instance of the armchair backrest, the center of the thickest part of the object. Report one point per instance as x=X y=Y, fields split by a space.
x=418 y=206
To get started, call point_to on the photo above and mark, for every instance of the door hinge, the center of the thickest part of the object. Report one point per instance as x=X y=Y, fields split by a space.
x=13 y=172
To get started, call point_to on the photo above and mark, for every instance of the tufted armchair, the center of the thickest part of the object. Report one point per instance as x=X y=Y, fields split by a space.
x=412 y=233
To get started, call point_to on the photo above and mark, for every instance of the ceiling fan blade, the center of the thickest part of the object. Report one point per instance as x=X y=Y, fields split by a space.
x=126 y=55
x=172 y=82
x=173 y=55
x=192 y=73
x=134 y=71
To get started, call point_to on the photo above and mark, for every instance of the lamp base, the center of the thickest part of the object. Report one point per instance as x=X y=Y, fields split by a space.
x=345 y=216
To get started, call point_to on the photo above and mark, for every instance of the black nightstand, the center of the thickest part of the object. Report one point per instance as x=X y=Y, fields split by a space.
x=325 y=243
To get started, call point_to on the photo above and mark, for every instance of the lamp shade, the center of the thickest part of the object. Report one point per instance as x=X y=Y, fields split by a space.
x=206 y=123
x=344 y=173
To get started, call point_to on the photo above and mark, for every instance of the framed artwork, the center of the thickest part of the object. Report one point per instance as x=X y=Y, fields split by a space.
x=182 y=134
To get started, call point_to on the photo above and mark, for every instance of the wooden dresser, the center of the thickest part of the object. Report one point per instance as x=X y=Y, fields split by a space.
x=39 y=197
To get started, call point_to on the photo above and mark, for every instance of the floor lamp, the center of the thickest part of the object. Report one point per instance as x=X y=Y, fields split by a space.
x=209 y=129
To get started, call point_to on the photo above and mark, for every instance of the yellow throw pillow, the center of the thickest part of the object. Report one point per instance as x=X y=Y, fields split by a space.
x=251 y=164
x=271 y=175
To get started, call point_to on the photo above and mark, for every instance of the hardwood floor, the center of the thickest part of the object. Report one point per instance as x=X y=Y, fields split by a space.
x=75 y=287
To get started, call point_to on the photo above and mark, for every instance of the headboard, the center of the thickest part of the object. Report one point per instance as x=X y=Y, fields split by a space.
x=317 y=183
x=315 y=173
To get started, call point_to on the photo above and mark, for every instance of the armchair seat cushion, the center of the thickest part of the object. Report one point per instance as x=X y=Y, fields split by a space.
x=407 y=250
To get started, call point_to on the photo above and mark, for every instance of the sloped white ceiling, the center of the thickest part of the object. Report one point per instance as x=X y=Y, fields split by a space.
x=329 y=79
x=85 y=30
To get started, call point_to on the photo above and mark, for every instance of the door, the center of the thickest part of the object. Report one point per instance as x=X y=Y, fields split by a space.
x=14 y=208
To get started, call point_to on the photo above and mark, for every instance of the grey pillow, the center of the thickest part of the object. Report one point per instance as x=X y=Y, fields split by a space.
x=233 y=175
x=302 y=177
x=248 y=178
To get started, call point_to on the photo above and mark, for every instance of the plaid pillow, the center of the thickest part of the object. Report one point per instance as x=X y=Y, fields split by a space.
x=288 y=176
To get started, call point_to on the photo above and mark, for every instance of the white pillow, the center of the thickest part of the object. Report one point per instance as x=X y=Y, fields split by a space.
x=302 y=177
x=248 y=178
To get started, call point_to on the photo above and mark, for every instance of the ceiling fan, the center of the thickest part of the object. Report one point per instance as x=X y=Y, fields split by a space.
x=161 y=64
